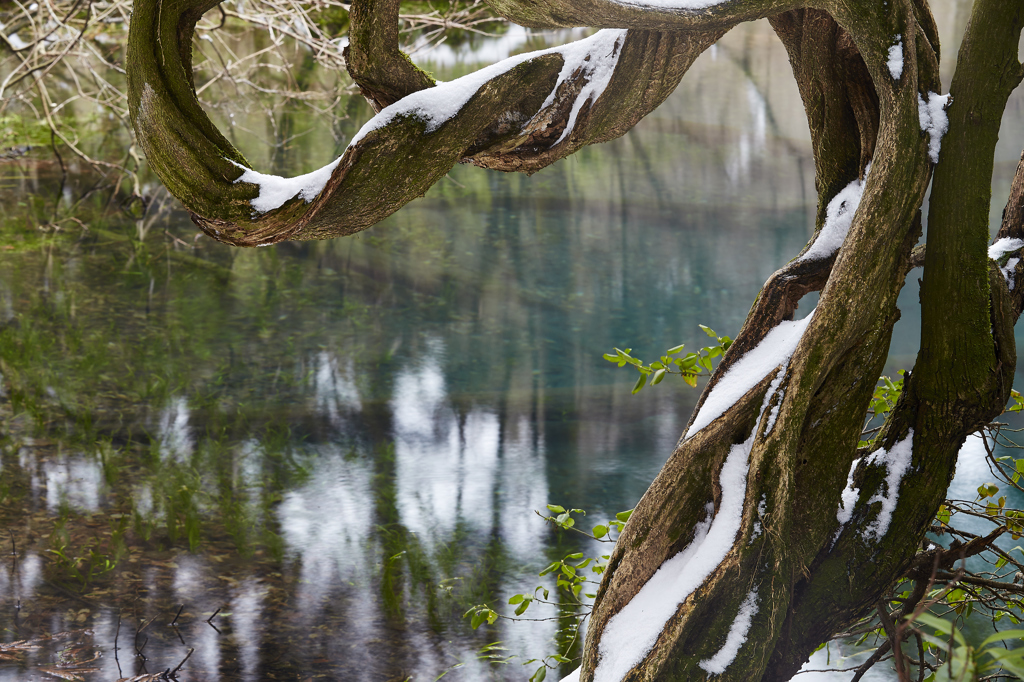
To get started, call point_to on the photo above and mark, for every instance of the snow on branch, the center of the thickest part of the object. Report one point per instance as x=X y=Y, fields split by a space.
x=999 y=250
x=895 y=62
x=736 y=638
x=775 y=349
x=838 y=218
x=593 y=58
x=931 y=114
x=631 y=633
x=896 y=462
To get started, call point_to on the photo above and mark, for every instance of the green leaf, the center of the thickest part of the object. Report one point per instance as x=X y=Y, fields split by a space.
x=639 y=383
x=539 y=676
x=709 y=331
x=576 y=555
x=610 y=358
x=1012 y=661
x=676 y=349
x=600 y=531
x=478 y=619
x=624 y=515
x=1003 y=636
x=492 y=616
x=658 y=376
x=521 y=609
x=516 y=598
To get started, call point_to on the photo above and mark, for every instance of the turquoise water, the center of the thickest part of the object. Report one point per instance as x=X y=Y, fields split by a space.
x=341 y=445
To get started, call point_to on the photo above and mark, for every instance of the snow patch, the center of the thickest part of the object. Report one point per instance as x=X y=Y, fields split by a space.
x=773 y=415
x=16 y=42
x=631 y=633
x=897 y=461
x=895 y=62
x=775 y=349
x=597 y=55
x=931 y=114
x=849 y=497
x=1003 y=246
x=737 y=636
x=999 y=250
x=838 y=218
x=275 y=190
x=574 y=676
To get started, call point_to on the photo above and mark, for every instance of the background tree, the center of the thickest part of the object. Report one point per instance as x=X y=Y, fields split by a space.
x=768 y=530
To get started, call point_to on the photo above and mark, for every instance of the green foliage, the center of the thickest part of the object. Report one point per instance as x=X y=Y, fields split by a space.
x=574 y=573
x=883 y=400
x=689 y=366
x=17 y=131
x=960 y=660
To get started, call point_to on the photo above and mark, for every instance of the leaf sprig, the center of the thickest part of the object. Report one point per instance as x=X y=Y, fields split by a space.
x=689 y=366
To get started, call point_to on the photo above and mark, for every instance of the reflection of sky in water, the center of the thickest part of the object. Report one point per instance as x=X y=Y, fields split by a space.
x=246 y=610
x=74 y=480
x=334 y=387
x=20 y=579
x=175 y=438
x=326 y=525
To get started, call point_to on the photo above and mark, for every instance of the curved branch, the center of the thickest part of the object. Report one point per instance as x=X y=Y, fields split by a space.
x=520 y=114
x=382 y=71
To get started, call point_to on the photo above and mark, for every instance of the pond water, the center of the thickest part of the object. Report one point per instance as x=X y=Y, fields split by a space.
x=339 y=447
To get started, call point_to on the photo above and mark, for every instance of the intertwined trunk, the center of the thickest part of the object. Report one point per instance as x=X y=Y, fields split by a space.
x=767 y=531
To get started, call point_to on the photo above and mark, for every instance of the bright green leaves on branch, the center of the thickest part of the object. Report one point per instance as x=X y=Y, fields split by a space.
x=1017 y=401
x=887 y=392
x=966 y=662
x=688 y=366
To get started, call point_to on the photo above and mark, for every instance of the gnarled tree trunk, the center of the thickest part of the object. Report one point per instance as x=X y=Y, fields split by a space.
x=767 y=531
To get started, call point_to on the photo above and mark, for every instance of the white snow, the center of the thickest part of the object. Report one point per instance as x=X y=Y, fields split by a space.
x=16 y=42
x=838 y=218
x=895 y=62
x=775 y=349
x=1002 y=247
x=631 y=633
x=773 y=415
x=275 y=190
x=596 y=56
x=737 y=636
x=897 y=461
x=931 y=115
x=574 y=676
x=848 y=499
x=598 y=66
